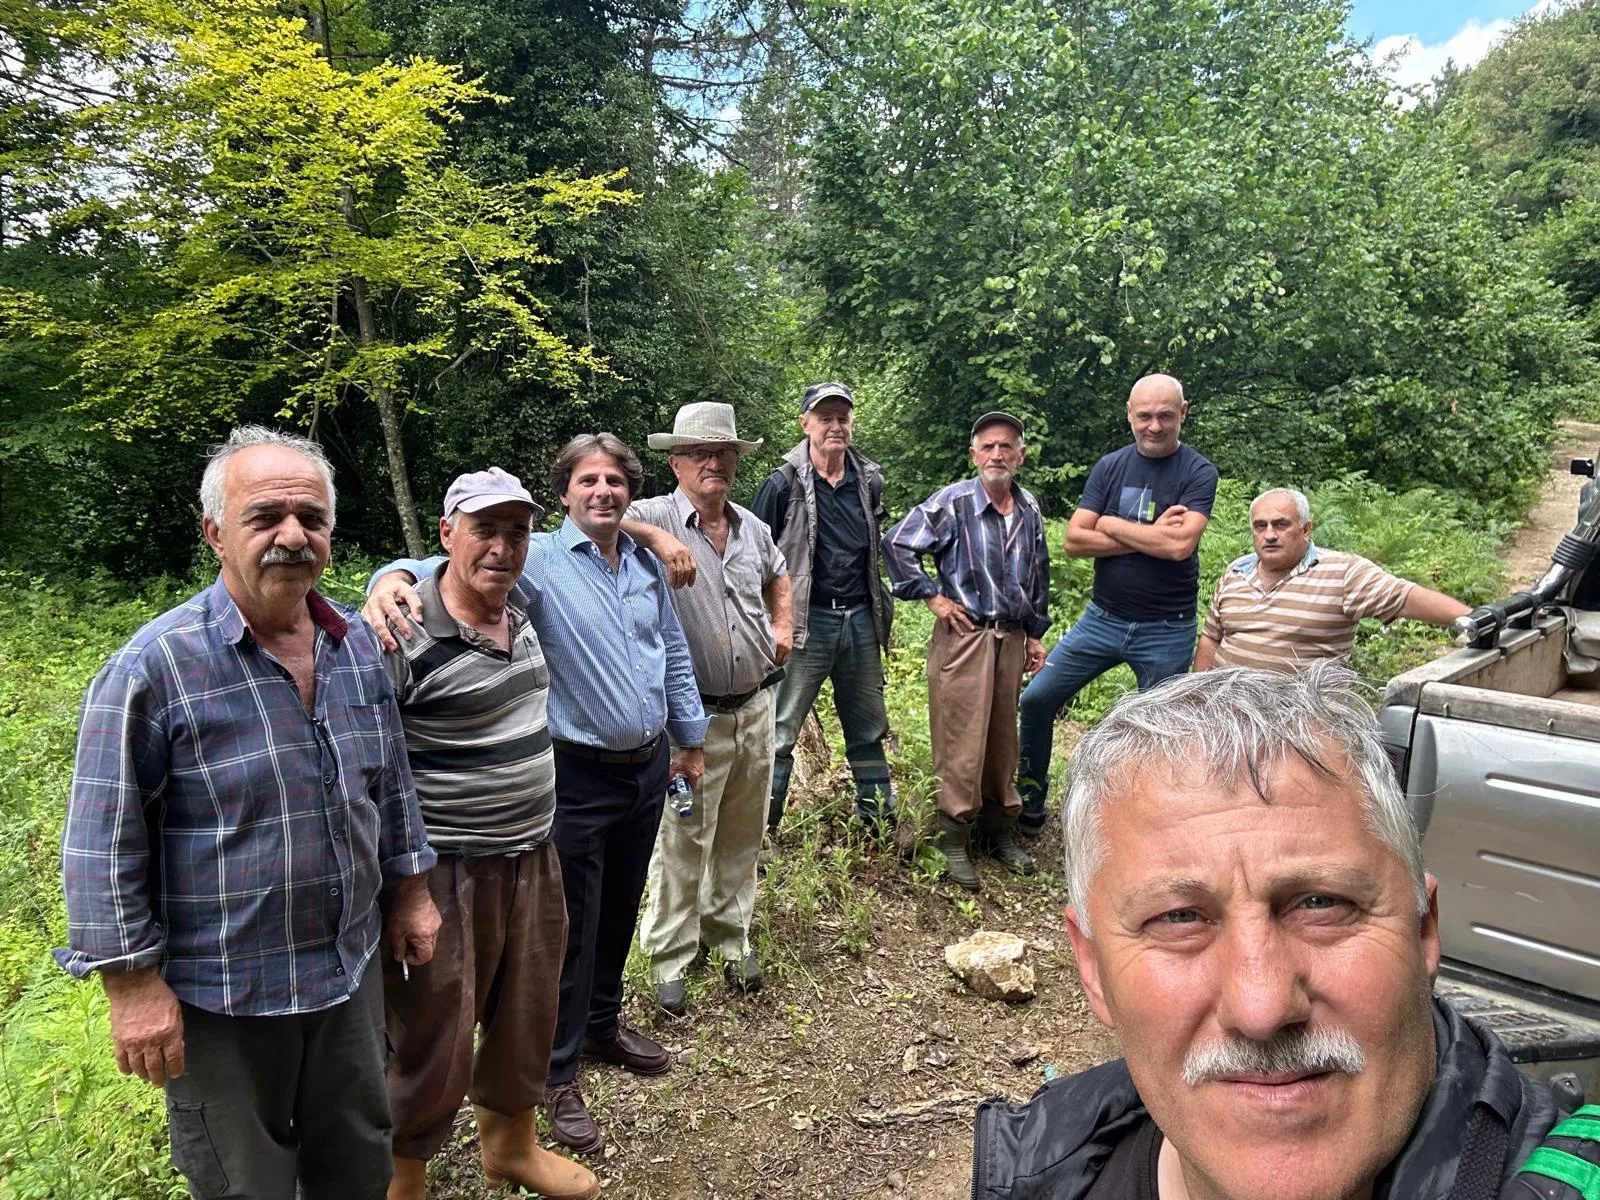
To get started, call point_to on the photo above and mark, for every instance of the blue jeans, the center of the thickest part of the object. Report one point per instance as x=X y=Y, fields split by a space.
x=840 y=645
x=1156 y=650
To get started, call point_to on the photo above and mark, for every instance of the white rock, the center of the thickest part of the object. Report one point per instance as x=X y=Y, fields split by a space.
x=993 y=965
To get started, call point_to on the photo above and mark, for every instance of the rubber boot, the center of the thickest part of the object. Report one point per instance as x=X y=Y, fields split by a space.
x=409 y=1181
x=998 y=832
x=512 y=1156
x=954 y=837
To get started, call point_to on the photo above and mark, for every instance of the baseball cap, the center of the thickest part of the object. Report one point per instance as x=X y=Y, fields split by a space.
x=477 y=490
x=999 y=418
x=818 y=392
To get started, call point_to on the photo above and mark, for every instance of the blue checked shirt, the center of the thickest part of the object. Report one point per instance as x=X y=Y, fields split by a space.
x=619 y=666
x=217 y=833
x=994 y=573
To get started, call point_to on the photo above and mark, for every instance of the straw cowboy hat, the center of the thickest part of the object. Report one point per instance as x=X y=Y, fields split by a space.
x=706 y=423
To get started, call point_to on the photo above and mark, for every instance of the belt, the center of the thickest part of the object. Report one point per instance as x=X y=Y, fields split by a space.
x=736 y=701
x=835 y=603
x=996 y=623
x=638 y=754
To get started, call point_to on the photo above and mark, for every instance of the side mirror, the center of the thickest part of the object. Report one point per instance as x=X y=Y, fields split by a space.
x=1583 y=466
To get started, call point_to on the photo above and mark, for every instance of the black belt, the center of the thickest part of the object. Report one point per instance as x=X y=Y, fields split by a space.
x=996 y=623
x=733 y=703
x=834 y=602
x=639 y=754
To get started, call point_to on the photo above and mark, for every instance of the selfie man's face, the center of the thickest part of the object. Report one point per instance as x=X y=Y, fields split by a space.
x=1220 y=920
x=597 y=494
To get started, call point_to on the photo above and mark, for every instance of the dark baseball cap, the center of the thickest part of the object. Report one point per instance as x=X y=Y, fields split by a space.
x=999 y=418
x=818 y=392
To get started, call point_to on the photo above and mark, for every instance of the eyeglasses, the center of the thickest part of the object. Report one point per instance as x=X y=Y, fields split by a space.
x=701 y=453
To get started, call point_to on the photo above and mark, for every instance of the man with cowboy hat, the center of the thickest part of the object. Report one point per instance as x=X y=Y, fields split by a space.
x=736 y=617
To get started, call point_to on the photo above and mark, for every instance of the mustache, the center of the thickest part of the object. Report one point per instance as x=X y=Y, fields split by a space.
x=278 y=556
x=1293 y=1051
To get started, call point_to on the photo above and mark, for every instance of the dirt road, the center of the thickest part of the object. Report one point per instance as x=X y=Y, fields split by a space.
x=1528 y=553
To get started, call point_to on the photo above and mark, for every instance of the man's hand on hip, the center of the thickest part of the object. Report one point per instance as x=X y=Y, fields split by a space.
x=952 y=614
x=146 y=1025
x=385 y=610
x=690 y=762
x=413 y=925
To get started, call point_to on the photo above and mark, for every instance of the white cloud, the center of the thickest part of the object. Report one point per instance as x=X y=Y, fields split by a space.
x=1408 y=60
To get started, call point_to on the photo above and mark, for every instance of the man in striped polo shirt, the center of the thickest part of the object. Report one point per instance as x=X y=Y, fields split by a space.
x=473 y=686
x=1292 y=603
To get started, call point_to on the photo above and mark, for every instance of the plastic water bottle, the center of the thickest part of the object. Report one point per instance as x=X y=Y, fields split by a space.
x=681 y=797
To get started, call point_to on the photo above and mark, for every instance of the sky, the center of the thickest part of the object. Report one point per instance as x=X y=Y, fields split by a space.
x=1426 y=33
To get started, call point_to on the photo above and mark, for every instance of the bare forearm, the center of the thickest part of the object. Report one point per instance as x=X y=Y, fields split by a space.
x=1158 y=541
x=1425 y=604
x=647 y=535
x=779 y=595
x=1089 y=542
x=1205 y=654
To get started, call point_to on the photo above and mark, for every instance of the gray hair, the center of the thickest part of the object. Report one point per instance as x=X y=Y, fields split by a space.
x=1302 y=506
x=1233 y=724
x=244 y=437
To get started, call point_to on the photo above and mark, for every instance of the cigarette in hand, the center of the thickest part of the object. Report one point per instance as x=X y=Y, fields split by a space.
x=405 y=971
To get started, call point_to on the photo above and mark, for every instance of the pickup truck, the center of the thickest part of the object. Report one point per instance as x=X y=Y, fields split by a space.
x=1497 y=746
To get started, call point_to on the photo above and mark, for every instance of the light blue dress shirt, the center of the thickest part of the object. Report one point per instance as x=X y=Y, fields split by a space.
x=619 y=665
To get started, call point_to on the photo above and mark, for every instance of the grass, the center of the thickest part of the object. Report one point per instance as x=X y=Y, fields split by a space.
x=71 y=1126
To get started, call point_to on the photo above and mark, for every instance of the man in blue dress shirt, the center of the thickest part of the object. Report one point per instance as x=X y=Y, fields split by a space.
x=620 y=682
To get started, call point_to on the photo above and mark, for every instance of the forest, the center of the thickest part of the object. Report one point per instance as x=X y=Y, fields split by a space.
x=441 y=234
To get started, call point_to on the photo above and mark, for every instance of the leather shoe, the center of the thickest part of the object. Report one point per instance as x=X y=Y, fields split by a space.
x=570 y=1122
x=631 y=1051
x=671 y=996
x=743 y=976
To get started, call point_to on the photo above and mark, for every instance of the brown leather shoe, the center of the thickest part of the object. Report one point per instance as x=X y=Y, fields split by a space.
x=512 y=1157
x=631 y=1051
x=570 y=1122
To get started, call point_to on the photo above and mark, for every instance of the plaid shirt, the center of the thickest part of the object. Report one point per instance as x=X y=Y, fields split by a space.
x=995 y=573
x=218 y=833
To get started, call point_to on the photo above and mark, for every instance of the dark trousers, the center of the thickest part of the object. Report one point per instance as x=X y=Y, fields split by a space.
x=264 y=1101
x=606 y=820
x=502 y=934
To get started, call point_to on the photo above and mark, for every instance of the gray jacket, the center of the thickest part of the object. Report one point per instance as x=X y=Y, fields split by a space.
x=799 y=539
x=1054 y=1146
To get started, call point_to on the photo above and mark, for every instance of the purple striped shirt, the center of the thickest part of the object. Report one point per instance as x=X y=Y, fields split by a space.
x=218 y=833
x=994 y=572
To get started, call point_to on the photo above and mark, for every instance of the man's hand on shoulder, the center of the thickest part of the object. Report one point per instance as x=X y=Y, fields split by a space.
x=392 y=597
x=146 y=1025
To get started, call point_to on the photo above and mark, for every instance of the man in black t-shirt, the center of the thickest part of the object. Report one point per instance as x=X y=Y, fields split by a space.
x=1140 y=518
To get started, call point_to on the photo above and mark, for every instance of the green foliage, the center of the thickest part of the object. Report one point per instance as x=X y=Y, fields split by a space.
x=1032 y=207
x=1529 y=112
x=70 y=1125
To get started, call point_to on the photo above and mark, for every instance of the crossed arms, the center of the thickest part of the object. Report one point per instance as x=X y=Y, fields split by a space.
x=1174 y=534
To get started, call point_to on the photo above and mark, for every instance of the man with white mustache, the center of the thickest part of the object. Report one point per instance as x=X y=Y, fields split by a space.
x=1250 y=914
x=621 y=686
x=737 y=619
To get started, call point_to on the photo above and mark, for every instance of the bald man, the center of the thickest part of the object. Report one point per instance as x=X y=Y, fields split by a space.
x=1140 y=519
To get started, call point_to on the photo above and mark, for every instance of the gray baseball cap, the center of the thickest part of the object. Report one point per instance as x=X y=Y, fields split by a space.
x=818 y=392
x=477 y=490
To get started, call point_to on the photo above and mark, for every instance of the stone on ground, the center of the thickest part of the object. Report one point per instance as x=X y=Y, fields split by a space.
x=992 y=964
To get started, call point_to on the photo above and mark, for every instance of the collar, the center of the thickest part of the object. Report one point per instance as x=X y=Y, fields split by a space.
x=439 y=622
x=690 y=516
x=987 y=501
x=233 y=627
x=572 y=537
x=1248 y=564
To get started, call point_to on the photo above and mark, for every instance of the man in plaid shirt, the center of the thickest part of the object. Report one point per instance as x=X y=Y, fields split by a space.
x=241 y=798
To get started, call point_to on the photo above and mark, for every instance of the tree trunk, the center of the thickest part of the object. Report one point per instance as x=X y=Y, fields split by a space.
x=389 y=418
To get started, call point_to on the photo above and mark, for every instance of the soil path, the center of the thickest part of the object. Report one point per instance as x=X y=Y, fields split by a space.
x=1528 y=552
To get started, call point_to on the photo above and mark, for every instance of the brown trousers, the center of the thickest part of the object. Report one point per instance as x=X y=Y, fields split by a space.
x=973 y=683
x=497 y=964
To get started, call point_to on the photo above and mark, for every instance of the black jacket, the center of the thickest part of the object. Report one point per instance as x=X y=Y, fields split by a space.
x=1053 y=1147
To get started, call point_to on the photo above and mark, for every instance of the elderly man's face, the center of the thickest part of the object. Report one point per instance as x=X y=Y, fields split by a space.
x=705 y=472
x=997 y=452
x=276 y=530
x=827 y=426
x=1281 y=540
x=488 y=548
x=1220 y=919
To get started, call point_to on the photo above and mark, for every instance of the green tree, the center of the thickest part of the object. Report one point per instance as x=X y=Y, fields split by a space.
x=1032 y=207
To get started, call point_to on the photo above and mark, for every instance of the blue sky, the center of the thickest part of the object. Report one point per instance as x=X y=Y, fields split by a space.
x=1416 y=37
x=1431 y=21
